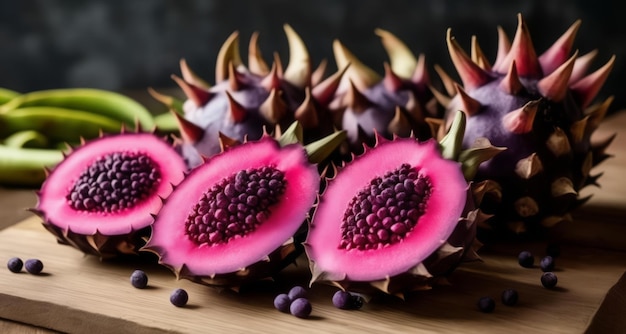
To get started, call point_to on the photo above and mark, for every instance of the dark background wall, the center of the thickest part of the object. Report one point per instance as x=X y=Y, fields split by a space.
x=130 y=45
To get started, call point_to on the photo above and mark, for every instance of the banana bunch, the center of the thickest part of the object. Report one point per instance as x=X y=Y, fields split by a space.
x=36 y=126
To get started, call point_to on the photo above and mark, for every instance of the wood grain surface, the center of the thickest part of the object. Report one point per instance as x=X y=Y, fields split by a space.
x=80 y=294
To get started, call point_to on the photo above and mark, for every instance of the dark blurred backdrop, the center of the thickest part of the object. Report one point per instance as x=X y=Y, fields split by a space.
x=130 y=45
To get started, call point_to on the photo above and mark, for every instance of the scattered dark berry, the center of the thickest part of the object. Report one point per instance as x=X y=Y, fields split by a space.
x=179 y=297
x=282 y=302
x=486 y=304
x=549 y=279
x=33 y=266
x=139 y=279
x=346 y=301
x=509 y=297
x=526 y=259
x=301 y=308
x=297 y=292
x=15 y=264
x=553 y=250
x=357 y=302
x=342 y=300
x=547 y=263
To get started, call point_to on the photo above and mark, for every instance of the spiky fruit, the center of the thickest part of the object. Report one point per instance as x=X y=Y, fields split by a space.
x=102 y=197
x=233 y=218
x=396 y=218
x=396 y=104
x=246 y=100
x=539 y=108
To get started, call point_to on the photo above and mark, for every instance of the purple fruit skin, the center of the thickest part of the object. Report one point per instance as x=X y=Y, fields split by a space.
x=33 y=266
x=297 y=292
x=139 y=279
x=15 y=264
x=179 y=298
x=282 y=302
x=301 y=308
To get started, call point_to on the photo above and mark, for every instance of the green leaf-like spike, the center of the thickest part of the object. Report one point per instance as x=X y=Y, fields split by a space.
x=481 y=151
x=452 y=142
x=320 y=149
x=292 y=135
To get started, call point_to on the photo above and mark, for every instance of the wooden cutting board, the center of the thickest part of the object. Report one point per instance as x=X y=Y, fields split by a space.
x=77 y=293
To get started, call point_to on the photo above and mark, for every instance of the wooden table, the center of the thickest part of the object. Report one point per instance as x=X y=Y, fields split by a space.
x=80 y=294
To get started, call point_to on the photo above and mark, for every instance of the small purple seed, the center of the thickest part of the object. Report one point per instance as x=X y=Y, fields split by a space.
x=549 y=280
x=300 y=308
x=33 y=266
x=342 y=300
x=15 y=264
x=547 y=263
x=139 y=279
x=526 y=259
x=297 y=292
x=486 y=304
x=509 y=297
x=179 y=297
x=282 y=302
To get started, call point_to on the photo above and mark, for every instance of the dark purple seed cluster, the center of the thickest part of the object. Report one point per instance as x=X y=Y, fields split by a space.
x=15 y=264
x=179 y=297
x=509 y=297
x=547 y=263
x=33 y=266
x=114 y=182
x=235 y=206
x=549 y=280
x=346 y=301
x=386 y=210
x=526 y=259
x=486 y=304
x=139 y=279
x=294 y=302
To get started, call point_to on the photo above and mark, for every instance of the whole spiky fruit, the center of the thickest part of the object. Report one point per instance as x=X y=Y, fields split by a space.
x=538 y=107
x=246 y=101
x=396 y=104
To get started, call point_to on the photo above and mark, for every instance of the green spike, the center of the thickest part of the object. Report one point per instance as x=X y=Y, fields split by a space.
x=452 y=142
x=320 y=149
x=481 y=151
x=293 y=134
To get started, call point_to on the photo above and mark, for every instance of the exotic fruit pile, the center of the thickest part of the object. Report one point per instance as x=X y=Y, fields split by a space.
x=539 y=108
x=405 y=183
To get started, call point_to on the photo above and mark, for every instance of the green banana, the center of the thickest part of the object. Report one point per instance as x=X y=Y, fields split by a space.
x=7 y=95
x=97 y=101
x=58 y=124
x=27 y=138
x=25 y=167
x=166 y=122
